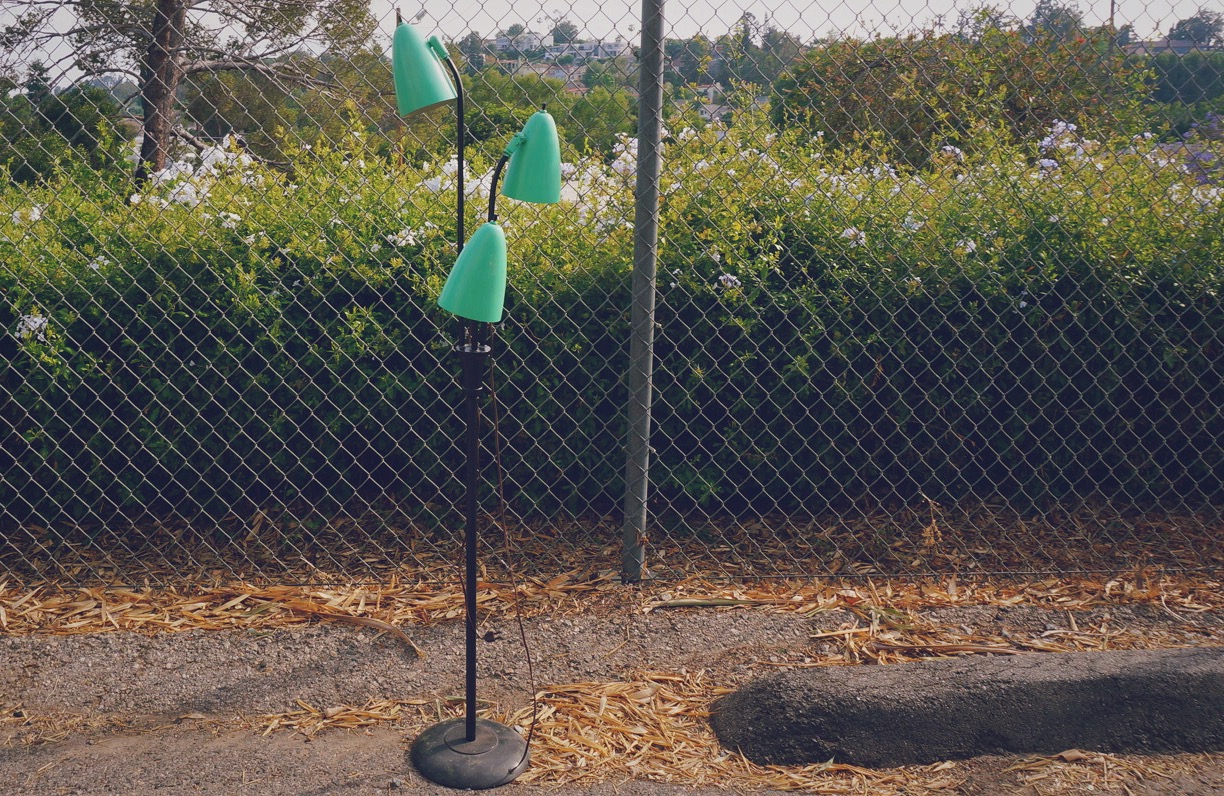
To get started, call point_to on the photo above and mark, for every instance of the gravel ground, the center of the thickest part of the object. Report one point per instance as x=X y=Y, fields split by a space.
x=178 y=713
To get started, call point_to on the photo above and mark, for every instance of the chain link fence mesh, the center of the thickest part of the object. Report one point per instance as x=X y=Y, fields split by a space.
x=938 y=291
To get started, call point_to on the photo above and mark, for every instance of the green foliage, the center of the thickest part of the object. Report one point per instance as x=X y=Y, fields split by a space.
x=1190 y=78
x=689 y=61
x=921 y=92
x=1039 y=321
x=1205 y=28
x=41 y=130
x=754 y=53
x=501 y=103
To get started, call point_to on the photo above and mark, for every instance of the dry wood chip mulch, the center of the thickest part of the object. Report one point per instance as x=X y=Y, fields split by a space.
x=651 y=725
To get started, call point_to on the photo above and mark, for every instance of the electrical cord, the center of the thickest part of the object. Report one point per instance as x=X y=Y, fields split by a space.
x=514 y=585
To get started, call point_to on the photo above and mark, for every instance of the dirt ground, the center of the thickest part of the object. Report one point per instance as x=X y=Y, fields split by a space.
x=332 y=708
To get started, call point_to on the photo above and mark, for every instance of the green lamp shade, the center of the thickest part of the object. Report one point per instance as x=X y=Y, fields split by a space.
x=420 y=79
x=534 y=171
x=476 y=287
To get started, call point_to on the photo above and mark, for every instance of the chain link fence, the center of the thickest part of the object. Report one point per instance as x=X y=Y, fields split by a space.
x=937 y=291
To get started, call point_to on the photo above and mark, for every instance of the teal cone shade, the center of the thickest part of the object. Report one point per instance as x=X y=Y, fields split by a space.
x=476 y=287
x=421 y=81
x=534 y=172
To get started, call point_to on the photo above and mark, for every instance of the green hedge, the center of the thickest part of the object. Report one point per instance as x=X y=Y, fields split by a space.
x=1038 y=323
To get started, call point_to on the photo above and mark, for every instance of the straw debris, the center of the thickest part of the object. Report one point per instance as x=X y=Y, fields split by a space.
x=652 y=725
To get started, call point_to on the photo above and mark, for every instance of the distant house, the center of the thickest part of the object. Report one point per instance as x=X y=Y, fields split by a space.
x=1158 y=46
x=588 y=50
x=713 y=111
x=527 y=40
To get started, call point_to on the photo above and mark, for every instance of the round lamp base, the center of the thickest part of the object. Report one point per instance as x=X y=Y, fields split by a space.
x=443 y=755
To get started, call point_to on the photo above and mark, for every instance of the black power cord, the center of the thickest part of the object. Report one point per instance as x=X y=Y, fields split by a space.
x=514 y=584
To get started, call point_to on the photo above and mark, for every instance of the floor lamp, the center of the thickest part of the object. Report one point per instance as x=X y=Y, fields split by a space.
x=470 y=753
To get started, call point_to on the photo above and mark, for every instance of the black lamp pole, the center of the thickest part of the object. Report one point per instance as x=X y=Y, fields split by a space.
x=474 y=356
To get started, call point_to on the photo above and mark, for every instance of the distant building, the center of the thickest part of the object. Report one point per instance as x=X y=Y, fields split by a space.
x=1158 y=46
x=713 y=111
x=527 y=40
x=588 y=50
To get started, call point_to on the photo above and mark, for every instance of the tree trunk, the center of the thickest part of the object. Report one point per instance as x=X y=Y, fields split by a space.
x=163 y=71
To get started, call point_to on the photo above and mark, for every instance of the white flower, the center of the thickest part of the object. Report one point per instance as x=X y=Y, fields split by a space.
x=32 y=326
x=229 y=220
x=29 y=215
x=96 y=263
x=856 y=236
x=186 y=193
x=625 y=163
x=968 y=245
x=136 y=199
x=1062 y=136
x=952 y=151
x=911 y=224
x=729 y=281
x=1047 y=163
x=375 y=247
x=405 y=237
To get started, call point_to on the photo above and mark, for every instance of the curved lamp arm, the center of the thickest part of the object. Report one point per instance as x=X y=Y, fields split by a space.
x=511 y=148
x=438 y=47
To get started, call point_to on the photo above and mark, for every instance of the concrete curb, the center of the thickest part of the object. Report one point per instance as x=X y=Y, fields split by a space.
x=924 y=712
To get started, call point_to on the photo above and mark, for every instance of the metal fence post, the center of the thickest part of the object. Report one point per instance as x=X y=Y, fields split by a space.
x=645 y=253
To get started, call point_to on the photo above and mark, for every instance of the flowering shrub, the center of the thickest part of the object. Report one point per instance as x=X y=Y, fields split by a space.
x=920 y=91
x=1036 y=320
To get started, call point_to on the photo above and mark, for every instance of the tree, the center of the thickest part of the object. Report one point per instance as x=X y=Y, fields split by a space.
x=974 y=24
x=779 y=49
x=1054 y=20
x=1205 y=28
x=689 y=60
x=473 y=48
x=564 y=32
x=612 y=73
x=1187 y=79
x=162 y=43
x=79 y=114
x=919 y=93
x=40 y=127
x=741 y=52
x=598 y=118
